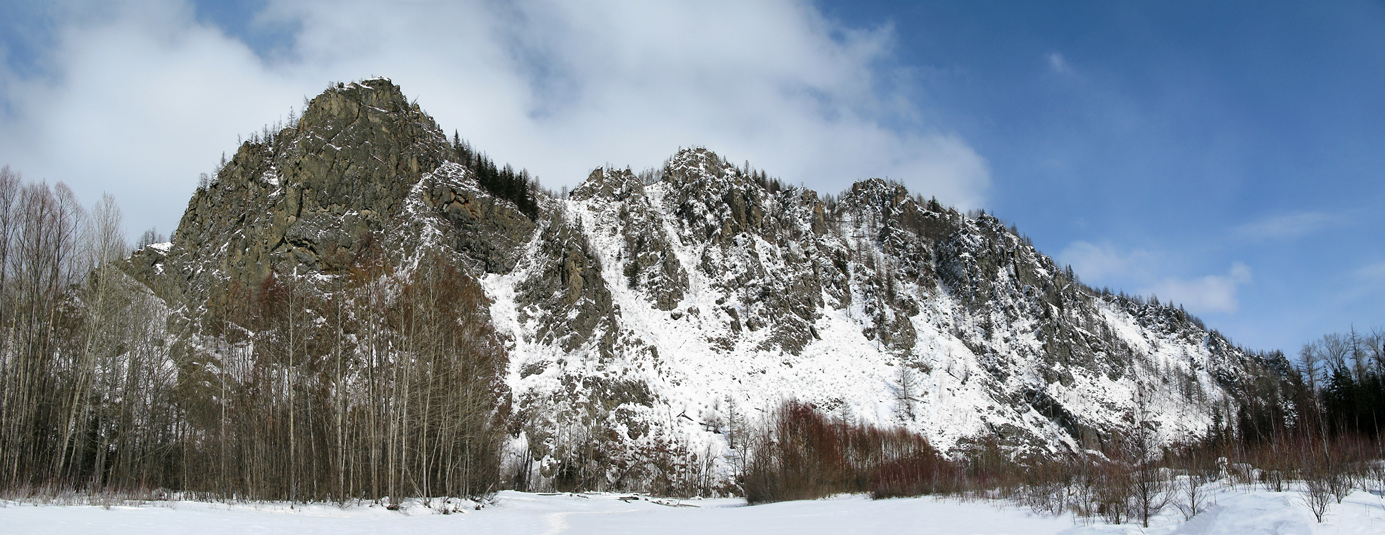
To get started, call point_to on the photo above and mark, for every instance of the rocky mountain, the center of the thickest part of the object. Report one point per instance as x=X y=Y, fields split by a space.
x=649 y=319
x=313 y=196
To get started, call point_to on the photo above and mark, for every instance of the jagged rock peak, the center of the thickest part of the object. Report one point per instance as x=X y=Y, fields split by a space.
x=695 y=169
x=699 y=157
x=878 y=192
x=703 y=169
x=613 y=184
x=346 y=99
x=373 y=116
x=311 y=195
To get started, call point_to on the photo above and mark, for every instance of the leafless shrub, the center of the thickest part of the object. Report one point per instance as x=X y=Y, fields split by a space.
x=1375 y=476
x=1339 y=483
x=1192 y=497
x=1240 y=474
x=1114 y=493
x=1152 y=492
x=1150 y=489
x=915 y=476
x=1199 y=468
x=1047 y=487
x=1083 y=498
x=1317 y=493
x=801 y=454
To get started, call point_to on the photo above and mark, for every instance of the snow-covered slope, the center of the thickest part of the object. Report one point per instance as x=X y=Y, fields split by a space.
x=651 y=320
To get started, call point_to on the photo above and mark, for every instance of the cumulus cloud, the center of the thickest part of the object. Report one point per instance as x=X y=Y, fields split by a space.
x=138 y=98
x=1373 y=271
x=1057 y=63
x=1104 y=263
x=1213 y=293
x=1107 y=265
x=1290 y=225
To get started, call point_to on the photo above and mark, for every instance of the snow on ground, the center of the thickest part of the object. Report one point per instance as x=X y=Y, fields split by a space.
x=1235 y=513
x=516 y=512
x=1256 y=513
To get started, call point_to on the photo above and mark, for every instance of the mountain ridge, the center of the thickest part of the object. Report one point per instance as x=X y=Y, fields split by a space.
x=648 y=318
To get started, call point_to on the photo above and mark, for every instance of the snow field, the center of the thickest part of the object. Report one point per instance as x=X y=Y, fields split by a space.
x=1234 y=513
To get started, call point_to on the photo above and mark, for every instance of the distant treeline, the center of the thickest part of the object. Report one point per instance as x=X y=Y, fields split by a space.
x=505 y=182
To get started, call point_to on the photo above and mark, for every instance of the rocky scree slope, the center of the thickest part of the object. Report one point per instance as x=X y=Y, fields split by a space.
x=650 y=320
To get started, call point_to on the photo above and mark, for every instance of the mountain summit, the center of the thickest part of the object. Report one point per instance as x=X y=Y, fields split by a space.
x=316 y=194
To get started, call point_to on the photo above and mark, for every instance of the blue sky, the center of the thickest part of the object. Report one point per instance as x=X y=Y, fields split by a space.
x=1227 y=156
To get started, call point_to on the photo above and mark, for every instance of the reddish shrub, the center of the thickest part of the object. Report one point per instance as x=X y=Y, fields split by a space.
x=802 y=454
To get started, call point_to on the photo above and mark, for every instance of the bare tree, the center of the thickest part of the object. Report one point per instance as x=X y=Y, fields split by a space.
x=1192 y=496
x=907 y=393
x=1317 y=493
x=387 y=386
x=149 y=237
x=105 y=247
x=1150 y=487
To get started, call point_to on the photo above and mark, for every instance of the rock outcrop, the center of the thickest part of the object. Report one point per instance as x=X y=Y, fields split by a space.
x=362 y=165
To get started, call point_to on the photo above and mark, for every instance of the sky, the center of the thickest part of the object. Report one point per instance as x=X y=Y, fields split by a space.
x=1225 y=156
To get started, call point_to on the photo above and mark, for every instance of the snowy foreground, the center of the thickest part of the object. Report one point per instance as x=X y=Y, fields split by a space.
x=514 y=512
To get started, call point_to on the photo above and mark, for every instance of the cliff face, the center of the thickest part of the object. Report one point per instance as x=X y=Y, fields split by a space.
x=649 y=319
x=361 y=165
x=720 y=293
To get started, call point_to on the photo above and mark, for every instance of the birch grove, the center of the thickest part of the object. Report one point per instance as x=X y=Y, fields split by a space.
x=385 y=385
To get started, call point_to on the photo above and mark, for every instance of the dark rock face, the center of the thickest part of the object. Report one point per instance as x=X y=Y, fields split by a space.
x=489 y=231
x=648 y=262
x=780 y=287
x=566 y=291
x=353 y=237
x=363 y=164
x=308 y=196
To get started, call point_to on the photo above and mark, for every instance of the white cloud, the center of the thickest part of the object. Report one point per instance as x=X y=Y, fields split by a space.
x=141 y=98
x=1057 y=63
x=1104 y=264
x=1291 y=225
x=1373 y=271
x=1107 y=265
x=1213 y=293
